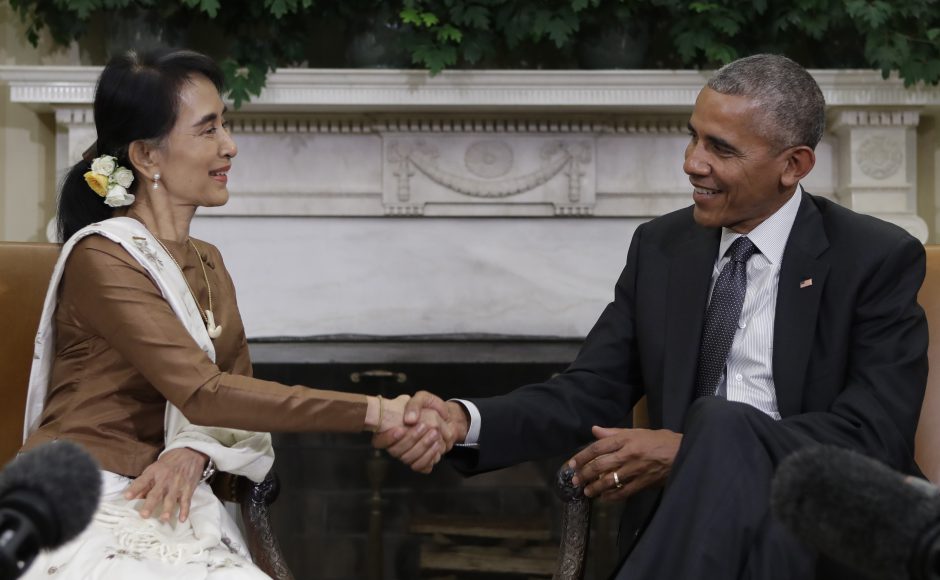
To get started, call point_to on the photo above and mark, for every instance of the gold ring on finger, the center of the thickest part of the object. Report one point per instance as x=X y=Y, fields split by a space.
x=617 y=483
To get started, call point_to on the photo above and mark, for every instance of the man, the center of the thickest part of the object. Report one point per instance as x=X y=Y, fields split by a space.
x=758 y=321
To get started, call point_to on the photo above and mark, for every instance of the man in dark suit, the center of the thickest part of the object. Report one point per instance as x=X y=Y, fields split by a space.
x=758 y=321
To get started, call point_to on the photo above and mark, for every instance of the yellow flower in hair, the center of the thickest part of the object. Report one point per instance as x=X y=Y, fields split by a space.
x=98 y=182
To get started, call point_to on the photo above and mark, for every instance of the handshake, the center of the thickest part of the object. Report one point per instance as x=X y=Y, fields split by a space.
x=419 y=430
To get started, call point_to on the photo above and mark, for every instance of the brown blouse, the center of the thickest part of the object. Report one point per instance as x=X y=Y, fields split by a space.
x=121 y=353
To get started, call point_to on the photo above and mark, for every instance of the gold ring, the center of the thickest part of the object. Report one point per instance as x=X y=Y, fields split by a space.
x=617 y=483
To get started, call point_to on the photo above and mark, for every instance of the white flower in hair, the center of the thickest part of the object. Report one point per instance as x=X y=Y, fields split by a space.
x=104 y=165
x=118 y=197
x=123 y=177
x=110 y=181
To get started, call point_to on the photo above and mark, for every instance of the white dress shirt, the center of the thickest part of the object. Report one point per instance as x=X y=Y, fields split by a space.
x=748 y=376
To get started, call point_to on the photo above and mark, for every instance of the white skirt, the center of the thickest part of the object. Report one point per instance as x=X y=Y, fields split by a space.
x=120 y=544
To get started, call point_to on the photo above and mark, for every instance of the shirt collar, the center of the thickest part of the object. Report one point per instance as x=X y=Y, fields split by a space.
x=770 y=236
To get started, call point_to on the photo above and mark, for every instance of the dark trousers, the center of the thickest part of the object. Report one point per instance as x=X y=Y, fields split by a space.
x=713 y=521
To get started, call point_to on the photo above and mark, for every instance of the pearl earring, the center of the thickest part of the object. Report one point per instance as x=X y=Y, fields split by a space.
x=156 y=178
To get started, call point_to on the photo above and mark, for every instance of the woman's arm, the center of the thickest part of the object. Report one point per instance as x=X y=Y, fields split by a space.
x=117 y=301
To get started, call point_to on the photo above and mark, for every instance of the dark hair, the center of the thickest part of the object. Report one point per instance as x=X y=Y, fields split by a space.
x=137 y=98
x=793 y=106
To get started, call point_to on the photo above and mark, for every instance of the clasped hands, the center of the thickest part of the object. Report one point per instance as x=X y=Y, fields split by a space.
x=618 y=464
x=419 y=430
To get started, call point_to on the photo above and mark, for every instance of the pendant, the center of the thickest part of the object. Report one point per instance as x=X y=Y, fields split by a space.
x=214 y=331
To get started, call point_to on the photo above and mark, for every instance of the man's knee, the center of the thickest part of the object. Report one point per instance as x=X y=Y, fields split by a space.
x=718 y=417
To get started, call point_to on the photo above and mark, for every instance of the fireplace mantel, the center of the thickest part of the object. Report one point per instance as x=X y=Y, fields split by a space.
x=388 y=202
x=319 y=90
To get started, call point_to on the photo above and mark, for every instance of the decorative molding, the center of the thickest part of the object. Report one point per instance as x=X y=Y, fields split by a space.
x=877 y=157
x=557 y=156
x=880 y=156
x=390 y=90
x=69 y=116
x=488 y=159
x=651 y=126
x=489 y=173
x=327 y=133
x=299 y=124
x=868 y=118
x=314 y=123
x=434 y=123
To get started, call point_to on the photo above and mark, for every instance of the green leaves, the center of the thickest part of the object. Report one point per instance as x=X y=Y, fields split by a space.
x=210 y=7
x=874 y=13
x=84 y=8
x=473 y=15
x=421 y=19
x=281 y=8
x=434 y=58
x=257 y=35
x=243 y=80
x=556 y=25
x=449 y=33
x=706 y=32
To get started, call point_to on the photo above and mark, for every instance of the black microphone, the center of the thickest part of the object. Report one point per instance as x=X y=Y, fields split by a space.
x=47 y=497
x=861 y=513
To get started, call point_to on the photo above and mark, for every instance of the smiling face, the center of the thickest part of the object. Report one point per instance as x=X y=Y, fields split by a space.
x=739 y=177
x=194 y=159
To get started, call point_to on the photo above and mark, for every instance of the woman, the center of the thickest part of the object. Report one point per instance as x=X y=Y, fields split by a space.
x=141 y=338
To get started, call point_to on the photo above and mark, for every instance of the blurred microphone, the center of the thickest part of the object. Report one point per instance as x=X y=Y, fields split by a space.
x=47 y=497
x=859 y=512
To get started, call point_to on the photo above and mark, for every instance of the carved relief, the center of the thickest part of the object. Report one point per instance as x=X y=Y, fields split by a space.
x=489 y=159
x=399 y=155
x=879 y=156
x=557 y=156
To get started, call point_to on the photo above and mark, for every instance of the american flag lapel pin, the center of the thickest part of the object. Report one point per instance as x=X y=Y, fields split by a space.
x=806 y=283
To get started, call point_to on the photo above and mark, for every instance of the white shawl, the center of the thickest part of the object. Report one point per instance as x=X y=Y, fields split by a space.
x=240 y=452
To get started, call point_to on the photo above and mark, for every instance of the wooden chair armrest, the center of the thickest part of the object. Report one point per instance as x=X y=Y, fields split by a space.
x=575 y=527
x=254 y=500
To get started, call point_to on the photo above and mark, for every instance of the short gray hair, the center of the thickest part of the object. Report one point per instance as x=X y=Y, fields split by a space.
x=793 y=106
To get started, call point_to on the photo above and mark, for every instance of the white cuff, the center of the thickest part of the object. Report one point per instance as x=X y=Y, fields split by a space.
x=473 y=433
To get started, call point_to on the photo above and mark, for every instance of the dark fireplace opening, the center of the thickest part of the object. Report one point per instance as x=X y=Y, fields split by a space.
x=503 y=524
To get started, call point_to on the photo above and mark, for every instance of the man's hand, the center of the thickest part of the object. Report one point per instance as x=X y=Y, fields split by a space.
x=169 y=481
x=431 y=428
x=641 y=458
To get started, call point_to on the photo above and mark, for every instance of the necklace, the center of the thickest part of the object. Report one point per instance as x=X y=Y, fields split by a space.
x=207 y=316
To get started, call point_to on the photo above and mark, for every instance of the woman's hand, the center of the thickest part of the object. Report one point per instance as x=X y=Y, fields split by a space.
x=428 y=435
x=393 y=412
x=168 y=482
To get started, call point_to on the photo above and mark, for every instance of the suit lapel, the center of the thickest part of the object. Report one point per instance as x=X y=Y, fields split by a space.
x=802 y=278
x=690 y=271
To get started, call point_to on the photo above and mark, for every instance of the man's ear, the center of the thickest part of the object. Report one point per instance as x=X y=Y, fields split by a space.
x=144 y=157
x=799 y=162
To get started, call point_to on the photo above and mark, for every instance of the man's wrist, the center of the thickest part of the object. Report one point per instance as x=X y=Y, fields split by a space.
x=459 y=417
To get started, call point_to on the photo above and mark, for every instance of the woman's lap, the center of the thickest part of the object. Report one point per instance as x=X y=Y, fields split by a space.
x=121 y=544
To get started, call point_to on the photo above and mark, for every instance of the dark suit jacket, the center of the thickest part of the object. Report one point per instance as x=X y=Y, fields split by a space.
x=849 y=360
